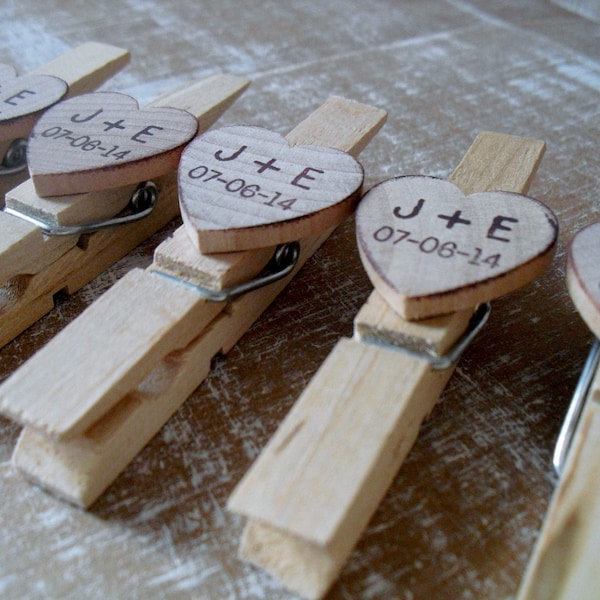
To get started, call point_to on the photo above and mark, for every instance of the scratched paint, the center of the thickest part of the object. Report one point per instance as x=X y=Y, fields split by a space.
x=461 y=517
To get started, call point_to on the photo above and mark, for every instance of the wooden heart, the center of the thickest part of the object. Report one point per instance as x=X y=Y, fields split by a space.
x=103 y=140
x=22 y=99
x=430 y=250
x=583 y=275
x=245 y=187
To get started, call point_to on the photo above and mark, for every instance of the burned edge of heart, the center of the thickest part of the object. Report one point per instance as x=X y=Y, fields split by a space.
x=573 y=271
x=528 y=270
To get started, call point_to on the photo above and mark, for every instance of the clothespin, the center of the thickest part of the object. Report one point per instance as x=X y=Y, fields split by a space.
x=97 y=149
x=147 y=343
x=23 y=99
x=432 y=254
x=564 y=563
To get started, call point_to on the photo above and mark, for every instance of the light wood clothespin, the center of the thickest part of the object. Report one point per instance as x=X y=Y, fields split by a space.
x=26 y=97
x=564 y=563
x=83 y=147
x=147 y=343
x=428 y=249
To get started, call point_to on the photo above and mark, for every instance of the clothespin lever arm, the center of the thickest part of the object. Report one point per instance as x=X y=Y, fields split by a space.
x=34 y=265
x=564 y=561
x=317 y=483
x=161 y=352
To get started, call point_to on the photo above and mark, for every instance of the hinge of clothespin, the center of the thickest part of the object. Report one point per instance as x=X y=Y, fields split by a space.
x=564 y=563
x=45 y=241
x=24 y=98
x=317 y=483
x=148 y=342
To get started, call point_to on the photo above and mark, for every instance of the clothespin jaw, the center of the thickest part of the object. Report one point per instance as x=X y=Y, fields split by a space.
x=25 y=98
x=256 y=191
x=564 y=560
x=133 y=369
x=317 y=483
x=109 y=181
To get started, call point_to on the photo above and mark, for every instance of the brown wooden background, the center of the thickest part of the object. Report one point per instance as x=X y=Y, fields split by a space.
x=462 y=515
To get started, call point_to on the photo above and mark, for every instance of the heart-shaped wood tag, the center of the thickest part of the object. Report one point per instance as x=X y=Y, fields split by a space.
x=430 y=250
x=583 y=275
x=103 y=140
x=245 y=187
x=22 y=99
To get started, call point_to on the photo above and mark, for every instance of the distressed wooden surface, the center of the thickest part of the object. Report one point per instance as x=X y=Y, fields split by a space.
x=462 y=516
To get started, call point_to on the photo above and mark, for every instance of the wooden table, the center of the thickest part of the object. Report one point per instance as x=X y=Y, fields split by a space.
x=461 y=518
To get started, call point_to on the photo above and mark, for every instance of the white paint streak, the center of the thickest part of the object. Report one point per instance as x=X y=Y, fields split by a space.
x=584 y=73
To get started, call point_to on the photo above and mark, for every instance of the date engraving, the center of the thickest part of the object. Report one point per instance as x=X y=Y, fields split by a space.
x=245 y=187
x=441 y=249
x=85 y=142
x=239 y=186
x=427 y=247
x=106 y=134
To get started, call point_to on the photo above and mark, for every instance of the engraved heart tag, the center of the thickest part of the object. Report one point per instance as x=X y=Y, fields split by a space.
x=22 y=99
x=430 y=250
x=245 y=187
x=583 y=275
x=103 y=140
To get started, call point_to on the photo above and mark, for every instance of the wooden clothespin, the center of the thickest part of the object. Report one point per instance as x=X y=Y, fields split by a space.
x=564 y=563
x=428 y=250
x=24 y=99
x=146 y=344
x=98 y=149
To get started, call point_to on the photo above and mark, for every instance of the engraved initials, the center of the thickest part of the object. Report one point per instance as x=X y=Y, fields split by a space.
x=219 y=154
x=454 y=219
x=497 y=223
x=79 y=119
x=19 y=96
x=415 y=211
x=305 y=175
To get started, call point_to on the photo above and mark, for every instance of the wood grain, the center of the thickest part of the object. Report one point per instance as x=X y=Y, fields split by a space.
x=139 y=326
x=86 y=66
x=564 y=563
x=318 y=482
x=430 y=250
x=178 y=257
x=123 y=348
x=79 y=468
x=461 y=517
x=79 y=70
x=104 y=140
x=376 y=322
x=36 y=267
x=244 y=187
x=24 y=99
x=340 y=444
x=583 y=275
